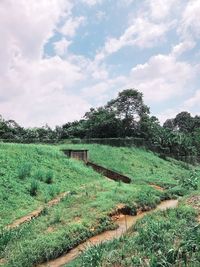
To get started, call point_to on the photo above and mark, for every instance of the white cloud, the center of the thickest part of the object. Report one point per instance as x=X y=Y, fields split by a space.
x=142 y=33
x=189 y=105
x=29 y=25
x=71 y=25
x=44 y=92
x=91 y=2
x=36 y=90
x=193 y=101
x=183 y=47
x=162 y=77
x=97 y=90
x=161 y=9
x=148 y=26
x=190 y=23
x=61 y=46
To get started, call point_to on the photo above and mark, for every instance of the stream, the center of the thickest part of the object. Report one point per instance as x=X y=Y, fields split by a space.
x=124 y=222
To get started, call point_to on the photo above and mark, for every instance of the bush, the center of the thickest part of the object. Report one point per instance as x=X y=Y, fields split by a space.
x=49 y=177
x=190 y=182
x=39 y=175
x=24 y=170
x=57 y=218
x=53 y=191
x=34 y=188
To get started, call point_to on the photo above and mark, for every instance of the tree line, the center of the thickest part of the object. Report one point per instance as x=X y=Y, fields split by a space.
x=124 y=116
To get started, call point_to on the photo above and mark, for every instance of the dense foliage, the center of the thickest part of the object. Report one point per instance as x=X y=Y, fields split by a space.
x=164 y=239
x=31 y=175
x=122 y=117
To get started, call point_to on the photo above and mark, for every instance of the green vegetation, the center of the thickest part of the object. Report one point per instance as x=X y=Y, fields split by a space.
x=31 y=175
x=140 y=165
x=45 y=172
x=167 y=238
x=125 y=116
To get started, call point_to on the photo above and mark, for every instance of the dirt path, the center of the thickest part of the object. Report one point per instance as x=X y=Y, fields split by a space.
x=157 y=187
x=53 y=202
x=2 y=261
x=37 y=213
x=194 y=201
x=124 y=222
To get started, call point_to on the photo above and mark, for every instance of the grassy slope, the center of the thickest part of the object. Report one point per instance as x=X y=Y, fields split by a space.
x=84 y=212
x=36 y=161
x=136 y=163
x=162 y=238
x=167 y=238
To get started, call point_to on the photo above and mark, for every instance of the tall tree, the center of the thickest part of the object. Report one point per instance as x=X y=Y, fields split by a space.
x=102 y=123
x=169 y=124
x=129 y=107
x=184 y=122
x=150 y=129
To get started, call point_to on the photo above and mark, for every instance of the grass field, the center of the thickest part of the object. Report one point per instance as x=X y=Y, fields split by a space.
x=165 y=238
x=138 y=164
x=31 y=175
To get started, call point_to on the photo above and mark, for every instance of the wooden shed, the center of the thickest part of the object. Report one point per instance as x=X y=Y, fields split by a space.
x=80 y=154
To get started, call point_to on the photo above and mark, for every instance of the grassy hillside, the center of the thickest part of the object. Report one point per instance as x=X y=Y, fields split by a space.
x=165 y=238
x=26 y=170
x=138 y=164
x=31 y=175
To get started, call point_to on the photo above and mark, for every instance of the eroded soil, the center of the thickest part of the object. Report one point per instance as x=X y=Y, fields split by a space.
x=37 y=213
x=194 y=201
x=123 y=221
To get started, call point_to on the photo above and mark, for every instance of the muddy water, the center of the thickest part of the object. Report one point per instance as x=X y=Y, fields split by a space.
x=123 y=221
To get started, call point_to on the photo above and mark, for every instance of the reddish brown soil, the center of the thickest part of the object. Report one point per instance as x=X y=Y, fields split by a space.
x=157 y=187
x=2 y=261
x=50 y=229
x=124 y=222
x=194 y=201
x=37 y=213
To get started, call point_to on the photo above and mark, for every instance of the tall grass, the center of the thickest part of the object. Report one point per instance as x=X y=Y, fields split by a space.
x=24 y=170
x=85 y=211
x=168 y=238
x=138 y=164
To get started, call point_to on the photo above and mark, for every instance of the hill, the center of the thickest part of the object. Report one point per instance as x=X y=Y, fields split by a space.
x=32 y=175
x=138 y=164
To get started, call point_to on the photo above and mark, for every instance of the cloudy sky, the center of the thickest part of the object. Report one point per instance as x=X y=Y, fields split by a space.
x=60 y=57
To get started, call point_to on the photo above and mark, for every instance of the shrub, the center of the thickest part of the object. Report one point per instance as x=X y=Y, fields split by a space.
x=57 y=218
x=53 y=191
x=39 y=175
x=49 y=177
x=34 y=188
x=189 y=182
x=24 y=170
x=93 y=257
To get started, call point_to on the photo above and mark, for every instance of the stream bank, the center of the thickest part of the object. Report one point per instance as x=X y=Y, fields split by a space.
x=124 y=223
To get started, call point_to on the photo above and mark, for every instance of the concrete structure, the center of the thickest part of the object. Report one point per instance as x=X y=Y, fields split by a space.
x=80 y=154
x=110 y=174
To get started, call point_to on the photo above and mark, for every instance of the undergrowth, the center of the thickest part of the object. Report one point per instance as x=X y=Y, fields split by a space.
x=168 y=238
x=27 y=185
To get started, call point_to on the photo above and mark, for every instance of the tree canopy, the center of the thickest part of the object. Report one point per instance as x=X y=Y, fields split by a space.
x=124 y=116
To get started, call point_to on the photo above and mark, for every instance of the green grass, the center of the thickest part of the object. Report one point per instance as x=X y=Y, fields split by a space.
x=167 y=238
x=31 y=175
x=138 y=164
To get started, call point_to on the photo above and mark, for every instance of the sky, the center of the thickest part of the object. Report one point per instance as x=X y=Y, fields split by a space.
x=58 y=58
